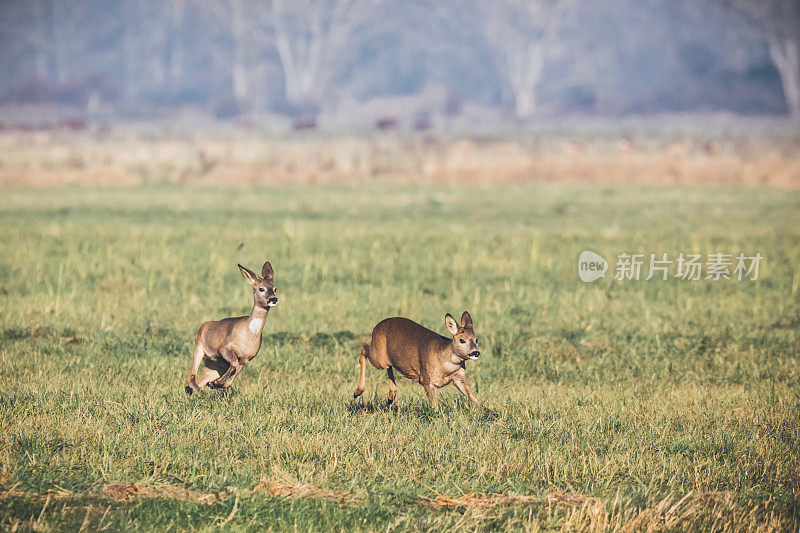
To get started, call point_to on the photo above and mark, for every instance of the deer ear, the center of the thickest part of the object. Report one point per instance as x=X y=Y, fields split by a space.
x=450 y=323
x=249 y=275
x=266 y=272
x=466 y=320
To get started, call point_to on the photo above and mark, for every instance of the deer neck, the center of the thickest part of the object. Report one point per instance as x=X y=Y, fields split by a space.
x=446 y=354
x=256 y=319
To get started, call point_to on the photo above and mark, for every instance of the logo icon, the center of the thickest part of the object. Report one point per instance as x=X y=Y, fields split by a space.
x=591 y=266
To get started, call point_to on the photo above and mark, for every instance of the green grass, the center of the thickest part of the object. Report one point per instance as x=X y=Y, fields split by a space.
x=630 y=394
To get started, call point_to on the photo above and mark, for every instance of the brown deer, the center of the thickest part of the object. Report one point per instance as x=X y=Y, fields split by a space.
x=422 y=355
x=226 y=345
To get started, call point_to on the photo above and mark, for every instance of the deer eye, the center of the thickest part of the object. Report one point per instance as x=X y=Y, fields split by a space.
x=462 y=341
x=476 y=341
x=275 y=290
x=261 y=289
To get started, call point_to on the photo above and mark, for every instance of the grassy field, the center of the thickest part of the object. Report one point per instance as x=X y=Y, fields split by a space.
x=643 y=405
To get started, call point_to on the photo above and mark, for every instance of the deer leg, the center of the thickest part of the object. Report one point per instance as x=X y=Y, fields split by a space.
x=232 y=359
x=430 y=391
x=191 y=380
x=209 y=375
x=461 y=384
x=228 y=382
x=392 y=386
x=218 y=382
x=362 y=376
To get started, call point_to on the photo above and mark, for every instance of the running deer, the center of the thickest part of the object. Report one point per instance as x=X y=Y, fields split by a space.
x=422 y=355
x=226 y=345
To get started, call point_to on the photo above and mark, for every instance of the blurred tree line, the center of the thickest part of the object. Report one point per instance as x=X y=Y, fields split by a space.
x=302 y=57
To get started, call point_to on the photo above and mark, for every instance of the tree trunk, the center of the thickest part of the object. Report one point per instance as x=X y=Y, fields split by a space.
x=239 y=63
x=239 y=73
x=524 y=48
x=301 y=70
x=301 y=56
x=786 y=56
x=525 y=72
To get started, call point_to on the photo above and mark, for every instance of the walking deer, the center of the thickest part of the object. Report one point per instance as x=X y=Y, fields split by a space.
x=422 y=355
x=226 y=345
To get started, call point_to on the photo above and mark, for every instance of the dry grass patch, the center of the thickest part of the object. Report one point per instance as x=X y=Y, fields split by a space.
x=284 y=486
x=280 y=485
x=479 y=501
x=130 y=491
x=707 y=511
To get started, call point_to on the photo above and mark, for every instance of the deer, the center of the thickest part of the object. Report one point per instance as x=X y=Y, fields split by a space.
x=432 y=360
x=226 y=346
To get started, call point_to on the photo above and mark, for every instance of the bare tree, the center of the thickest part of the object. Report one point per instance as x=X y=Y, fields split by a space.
x=309 y=37
x=51 y=29
x=522 y=33
x=143 y=41
x=778 y=21
x=245 y=26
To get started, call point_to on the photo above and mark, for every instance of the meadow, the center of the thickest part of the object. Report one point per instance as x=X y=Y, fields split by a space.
x=636 y=405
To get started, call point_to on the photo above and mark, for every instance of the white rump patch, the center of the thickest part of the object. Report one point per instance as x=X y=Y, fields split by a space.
x=255 y=325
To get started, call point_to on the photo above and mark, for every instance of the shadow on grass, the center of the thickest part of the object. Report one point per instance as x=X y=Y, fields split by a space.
x=212 y=396
x=16 y=334
x=417 y=409
x=357 y=407
x=319 y=339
